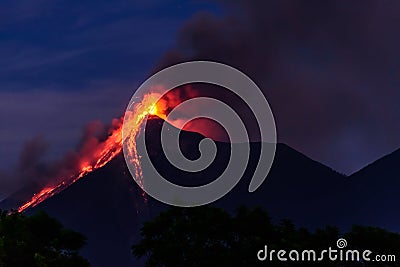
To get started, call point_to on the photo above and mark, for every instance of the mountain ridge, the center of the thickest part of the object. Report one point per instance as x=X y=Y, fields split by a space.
x=109 y=207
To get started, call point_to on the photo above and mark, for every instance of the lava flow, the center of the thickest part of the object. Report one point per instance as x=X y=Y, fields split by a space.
x=107 y=150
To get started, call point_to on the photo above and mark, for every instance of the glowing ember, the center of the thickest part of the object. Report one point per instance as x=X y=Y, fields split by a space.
x=107 y=150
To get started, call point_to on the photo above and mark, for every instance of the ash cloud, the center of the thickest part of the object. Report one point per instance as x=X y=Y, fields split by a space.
x=33 y=171
x=32 y=153
x=30 y=169
x=328 y=68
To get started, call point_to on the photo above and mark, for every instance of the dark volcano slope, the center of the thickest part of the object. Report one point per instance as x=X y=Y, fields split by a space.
x=19 y=197
x=374 y=193
x=108 y=207
x=297 y=187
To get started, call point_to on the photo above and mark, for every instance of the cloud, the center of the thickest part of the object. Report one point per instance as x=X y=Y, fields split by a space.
x=64 y=64
x=30 y=168
x=64 y=44
x=58 y=116
x=31 y=153
x=328 y=68
x=69 y=126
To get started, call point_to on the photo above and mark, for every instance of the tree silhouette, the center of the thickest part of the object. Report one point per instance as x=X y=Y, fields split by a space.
x=38 y=240
x=208 y=236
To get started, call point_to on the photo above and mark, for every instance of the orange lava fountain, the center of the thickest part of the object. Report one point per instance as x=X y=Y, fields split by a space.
x=107 y=150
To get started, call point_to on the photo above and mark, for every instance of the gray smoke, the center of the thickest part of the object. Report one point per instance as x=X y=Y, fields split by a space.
x=328 y=68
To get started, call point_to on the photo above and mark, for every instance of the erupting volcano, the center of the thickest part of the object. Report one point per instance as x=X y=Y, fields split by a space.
x=108 y=149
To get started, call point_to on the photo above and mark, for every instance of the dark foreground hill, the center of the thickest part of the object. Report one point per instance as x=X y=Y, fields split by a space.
x=109 y=208
x=374 y=195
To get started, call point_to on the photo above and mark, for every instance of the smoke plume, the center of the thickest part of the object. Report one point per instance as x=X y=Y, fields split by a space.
x=328 y=68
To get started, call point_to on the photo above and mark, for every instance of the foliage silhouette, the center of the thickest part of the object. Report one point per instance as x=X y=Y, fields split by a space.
x=208 y=236
x=38 y=241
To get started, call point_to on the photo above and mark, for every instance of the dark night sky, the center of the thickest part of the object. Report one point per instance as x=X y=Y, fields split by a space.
x=330 y=69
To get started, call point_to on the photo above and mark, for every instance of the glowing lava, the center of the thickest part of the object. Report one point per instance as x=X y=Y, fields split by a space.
x=107 y=150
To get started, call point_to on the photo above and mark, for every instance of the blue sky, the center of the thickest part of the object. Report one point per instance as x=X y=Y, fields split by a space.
x=65 y=63
x=330 y=69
